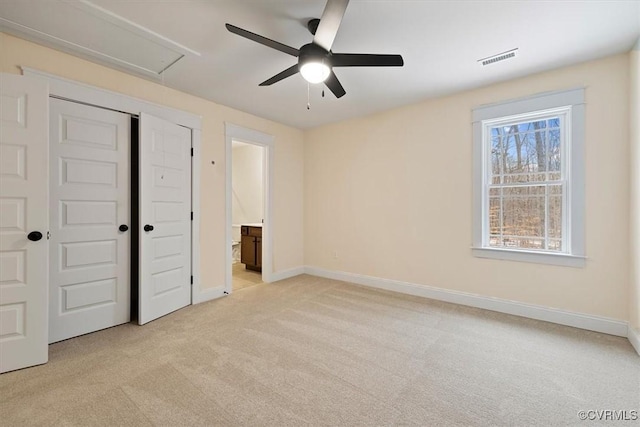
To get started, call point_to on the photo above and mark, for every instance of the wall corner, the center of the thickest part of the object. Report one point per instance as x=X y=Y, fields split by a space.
x=634 y=194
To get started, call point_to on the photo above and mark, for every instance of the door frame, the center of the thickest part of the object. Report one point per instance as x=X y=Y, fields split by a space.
x=83 y=93
x=266 y=141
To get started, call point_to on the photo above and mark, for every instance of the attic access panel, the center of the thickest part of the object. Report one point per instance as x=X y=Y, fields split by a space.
x=85 y=29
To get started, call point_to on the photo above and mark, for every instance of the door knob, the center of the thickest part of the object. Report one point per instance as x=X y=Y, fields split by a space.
x=148 y=227
x=34 y=236
x=123 y=228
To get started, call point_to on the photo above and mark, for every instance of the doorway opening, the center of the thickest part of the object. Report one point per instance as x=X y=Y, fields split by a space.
x=248 y=197
x=247 y=214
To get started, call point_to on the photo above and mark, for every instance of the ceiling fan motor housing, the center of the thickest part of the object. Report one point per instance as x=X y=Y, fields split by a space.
x=313 y=53
x=312 y=25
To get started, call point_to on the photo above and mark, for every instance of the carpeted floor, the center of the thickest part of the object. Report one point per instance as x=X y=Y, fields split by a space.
x=312 y=351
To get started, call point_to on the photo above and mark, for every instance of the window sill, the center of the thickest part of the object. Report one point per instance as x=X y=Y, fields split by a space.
x=530 y=256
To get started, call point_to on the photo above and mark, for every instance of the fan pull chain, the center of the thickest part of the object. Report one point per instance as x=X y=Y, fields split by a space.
x=323 y=93
x=308 y=97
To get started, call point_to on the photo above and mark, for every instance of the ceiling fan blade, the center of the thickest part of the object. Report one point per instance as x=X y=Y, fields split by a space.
x=281 y=76
x=330 y=22
x=262 y=40
x=365 y=60
x=334 y=85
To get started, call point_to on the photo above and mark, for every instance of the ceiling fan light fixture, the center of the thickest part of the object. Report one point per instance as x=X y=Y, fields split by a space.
x=316 y=59
x=315 y=71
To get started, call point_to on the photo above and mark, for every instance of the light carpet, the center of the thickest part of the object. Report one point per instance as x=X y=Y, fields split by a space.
x=313 y=351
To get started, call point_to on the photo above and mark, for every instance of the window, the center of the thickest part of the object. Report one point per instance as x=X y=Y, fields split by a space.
x=525 y=186
x=529 y=179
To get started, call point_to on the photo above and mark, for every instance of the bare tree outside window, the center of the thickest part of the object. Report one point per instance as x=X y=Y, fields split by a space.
x=526 y=187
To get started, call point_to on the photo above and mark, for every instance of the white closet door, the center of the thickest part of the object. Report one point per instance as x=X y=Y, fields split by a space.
x=165 y=218
x=90 y=202
x=24 y=212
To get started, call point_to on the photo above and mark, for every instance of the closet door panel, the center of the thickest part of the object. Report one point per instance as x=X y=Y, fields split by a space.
x=165 y=218
x=90 y=199
x=23 y=210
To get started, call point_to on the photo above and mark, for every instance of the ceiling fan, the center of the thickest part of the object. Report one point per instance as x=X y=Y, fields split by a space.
x=315 y=59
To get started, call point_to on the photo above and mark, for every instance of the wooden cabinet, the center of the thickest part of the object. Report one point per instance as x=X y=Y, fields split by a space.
x=251 y=247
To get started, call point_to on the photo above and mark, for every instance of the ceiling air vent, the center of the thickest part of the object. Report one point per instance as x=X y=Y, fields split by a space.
x=499 y=57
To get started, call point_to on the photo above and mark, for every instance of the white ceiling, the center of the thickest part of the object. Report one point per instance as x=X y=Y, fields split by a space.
x=440 y=41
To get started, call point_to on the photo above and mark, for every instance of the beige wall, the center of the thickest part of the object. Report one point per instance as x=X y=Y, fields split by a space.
x=288 y=153
x=247 y=197
x=634 y=117
x=390 y=195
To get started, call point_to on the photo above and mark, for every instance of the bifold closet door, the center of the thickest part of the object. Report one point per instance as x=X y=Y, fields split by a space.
x=90 y=217
x=165 y=218
x=24 y=220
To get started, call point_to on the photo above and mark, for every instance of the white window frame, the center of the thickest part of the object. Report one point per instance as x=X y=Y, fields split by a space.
x=569 y=105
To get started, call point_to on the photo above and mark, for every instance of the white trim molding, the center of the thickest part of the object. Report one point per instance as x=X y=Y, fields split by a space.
x=530 y=256
x=196 y=288
x=531 y=311
x=85 y=93
x=286 y=274
x=539 y=101
x=634 y=338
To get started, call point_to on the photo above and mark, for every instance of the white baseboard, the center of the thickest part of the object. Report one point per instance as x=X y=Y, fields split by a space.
x=562 y=317
x=634 y=339
x=207 y=294
x=285 y=274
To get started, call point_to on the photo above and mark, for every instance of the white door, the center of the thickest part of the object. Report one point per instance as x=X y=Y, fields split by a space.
x=24 y=212
x=165 y=218
x=90 y=216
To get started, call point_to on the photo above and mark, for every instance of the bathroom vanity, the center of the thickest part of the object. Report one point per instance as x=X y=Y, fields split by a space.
x=251 y=246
